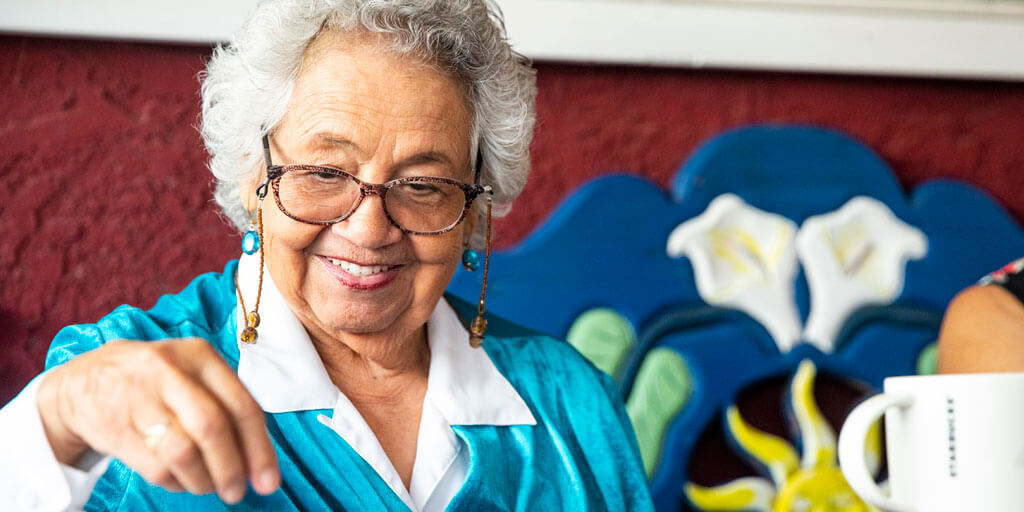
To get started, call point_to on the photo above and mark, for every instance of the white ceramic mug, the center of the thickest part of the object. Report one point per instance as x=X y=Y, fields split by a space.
x=954 y=442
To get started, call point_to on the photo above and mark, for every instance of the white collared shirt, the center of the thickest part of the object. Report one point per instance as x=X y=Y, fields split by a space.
x=284 y=373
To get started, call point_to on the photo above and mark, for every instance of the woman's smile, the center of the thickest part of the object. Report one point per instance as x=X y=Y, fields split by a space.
x=360 y=276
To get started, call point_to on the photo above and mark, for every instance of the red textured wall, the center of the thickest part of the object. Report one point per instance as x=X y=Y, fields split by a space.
x=105 y=199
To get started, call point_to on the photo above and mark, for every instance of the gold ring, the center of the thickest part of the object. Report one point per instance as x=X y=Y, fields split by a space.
x=152 y=435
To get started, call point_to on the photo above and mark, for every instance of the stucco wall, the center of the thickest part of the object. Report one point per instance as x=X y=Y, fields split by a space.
x=105 y=200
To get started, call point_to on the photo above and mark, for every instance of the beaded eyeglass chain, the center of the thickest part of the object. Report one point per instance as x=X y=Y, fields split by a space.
x=252 y=318
x=479 y=325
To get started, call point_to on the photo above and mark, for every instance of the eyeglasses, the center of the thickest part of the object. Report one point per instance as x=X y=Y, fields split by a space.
x=320 y=195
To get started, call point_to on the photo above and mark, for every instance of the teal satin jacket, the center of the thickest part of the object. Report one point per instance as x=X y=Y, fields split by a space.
x=581 y=454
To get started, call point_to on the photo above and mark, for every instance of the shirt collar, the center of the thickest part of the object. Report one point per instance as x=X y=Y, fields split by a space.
x=282 y=370
x=284 y=373
x=463 y=382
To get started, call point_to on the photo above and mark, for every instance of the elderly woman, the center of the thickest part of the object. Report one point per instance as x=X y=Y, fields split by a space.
x=361 y=144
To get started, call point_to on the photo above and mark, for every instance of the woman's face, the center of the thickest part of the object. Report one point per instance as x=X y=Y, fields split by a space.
x=379 y=117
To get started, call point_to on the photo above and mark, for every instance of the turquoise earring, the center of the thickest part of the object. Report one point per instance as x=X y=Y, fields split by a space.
x=470 y=260
x=251 y=240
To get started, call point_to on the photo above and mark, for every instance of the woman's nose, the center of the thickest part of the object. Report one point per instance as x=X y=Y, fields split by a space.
x=368 y=226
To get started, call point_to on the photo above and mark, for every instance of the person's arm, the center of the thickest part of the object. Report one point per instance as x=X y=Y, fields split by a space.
x=32 y=478
x=172 y=410
x=983 y=331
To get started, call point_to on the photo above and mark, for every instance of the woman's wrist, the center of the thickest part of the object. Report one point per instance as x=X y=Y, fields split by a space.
x=67 y=446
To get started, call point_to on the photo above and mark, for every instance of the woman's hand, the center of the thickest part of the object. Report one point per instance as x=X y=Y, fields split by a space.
x=173 y=411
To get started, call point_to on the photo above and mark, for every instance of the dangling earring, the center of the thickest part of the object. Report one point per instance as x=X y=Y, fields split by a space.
x=251 y=239
x=252 y=318
x=470 y=258
x=479 y=325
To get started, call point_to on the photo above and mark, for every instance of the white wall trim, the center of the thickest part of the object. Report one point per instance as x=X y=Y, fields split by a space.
x=179 y=21
x=933 y=38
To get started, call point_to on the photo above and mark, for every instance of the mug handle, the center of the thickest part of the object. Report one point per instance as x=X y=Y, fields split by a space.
x=851 y=449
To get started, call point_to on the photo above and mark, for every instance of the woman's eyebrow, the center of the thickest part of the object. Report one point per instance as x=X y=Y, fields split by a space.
x=427 y=157
x=334 y=141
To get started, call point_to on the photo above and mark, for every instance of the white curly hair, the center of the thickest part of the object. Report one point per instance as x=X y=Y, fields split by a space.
x=248 y=83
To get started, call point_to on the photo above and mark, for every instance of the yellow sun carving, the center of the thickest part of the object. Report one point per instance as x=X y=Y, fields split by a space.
x=806 y=482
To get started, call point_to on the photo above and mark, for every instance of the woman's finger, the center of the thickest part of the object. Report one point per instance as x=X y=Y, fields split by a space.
x=134 y=451
x=177 y=452
x=202 y=419
x=249 y=419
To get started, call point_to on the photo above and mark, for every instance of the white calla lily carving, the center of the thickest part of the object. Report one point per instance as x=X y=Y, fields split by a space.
x=744 y=258
x=854 y=256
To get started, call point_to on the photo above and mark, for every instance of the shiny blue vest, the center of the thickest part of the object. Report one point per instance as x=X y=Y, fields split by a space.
x=581 y=455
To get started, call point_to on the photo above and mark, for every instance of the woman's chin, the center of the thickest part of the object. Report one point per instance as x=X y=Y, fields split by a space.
x=343 y=309
x=348 y=318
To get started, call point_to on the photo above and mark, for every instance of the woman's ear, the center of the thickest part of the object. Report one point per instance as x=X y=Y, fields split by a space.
x=470 y=224
x=247 y=189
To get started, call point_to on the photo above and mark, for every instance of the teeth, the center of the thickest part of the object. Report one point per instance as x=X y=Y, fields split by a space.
x=359 y=270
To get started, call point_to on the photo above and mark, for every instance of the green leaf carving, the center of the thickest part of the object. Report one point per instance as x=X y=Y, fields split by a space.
x=661 y=389
x=928 y=360
x=604 y=337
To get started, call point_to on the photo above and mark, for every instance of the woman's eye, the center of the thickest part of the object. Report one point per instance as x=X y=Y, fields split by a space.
x=423 y=188
x=321 y=176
